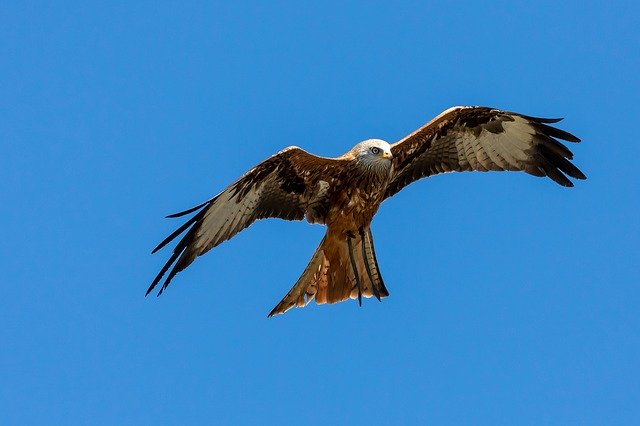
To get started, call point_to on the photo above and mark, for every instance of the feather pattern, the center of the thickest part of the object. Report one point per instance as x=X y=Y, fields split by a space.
x=345 y=193
x=483 y=139
x=330 y=278
x=280 y=187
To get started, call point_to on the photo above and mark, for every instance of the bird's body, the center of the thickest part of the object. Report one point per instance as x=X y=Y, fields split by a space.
x=354 y=201
x=345 y=193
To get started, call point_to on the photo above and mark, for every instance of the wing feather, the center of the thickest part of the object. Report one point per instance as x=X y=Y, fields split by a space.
x=278 y=187
x=483 y=139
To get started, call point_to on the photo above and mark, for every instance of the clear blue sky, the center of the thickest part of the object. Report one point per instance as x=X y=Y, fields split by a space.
x=513 y=300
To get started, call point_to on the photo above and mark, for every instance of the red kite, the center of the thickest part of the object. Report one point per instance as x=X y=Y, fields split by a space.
x=344 y=193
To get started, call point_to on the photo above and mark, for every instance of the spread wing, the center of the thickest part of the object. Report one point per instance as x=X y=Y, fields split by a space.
x=483 y=139
x=278 y=187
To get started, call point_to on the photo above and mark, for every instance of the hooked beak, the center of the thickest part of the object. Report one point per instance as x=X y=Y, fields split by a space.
x=387 y=155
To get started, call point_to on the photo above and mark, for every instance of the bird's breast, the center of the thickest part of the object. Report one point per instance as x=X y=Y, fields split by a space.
x=353 y=208
x=347 y=201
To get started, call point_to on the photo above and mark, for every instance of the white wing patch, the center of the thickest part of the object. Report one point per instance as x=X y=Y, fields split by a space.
x=484 y=139
x=517 y=138
x=509 y=149
x=225 y=218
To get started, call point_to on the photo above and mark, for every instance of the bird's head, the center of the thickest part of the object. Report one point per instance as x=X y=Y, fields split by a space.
x=373 y=153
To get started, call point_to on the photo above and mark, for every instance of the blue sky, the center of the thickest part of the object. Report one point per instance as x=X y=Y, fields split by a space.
x=513 y=300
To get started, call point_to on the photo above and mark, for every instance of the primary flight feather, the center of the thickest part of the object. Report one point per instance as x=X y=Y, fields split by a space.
x=345 y=193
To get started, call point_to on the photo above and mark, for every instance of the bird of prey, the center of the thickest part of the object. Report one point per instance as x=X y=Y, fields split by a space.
x=344 y=193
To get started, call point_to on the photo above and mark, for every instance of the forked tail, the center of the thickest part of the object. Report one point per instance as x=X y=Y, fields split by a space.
x=341 y=268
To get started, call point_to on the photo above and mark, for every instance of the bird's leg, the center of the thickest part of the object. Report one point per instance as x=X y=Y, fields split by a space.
x=350 y=236
x=374 y=287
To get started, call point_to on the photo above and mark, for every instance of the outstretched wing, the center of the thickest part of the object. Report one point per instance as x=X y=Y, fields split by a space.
x=483 y=139
x=278 y=187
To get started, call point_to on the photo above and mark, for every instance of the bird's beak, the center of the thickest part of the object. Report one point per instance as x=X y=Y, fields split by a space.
x=387 y=155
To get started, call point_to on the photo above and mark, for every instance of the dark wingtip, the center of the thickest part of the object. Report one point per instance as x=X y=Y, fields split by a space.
x=274 y=311
x=555 y=132
x=541 y=123
x=556 y=166
x=191 y=210
x=177 y=232
x=154 y=283
x=151 y=287
x=542 y=119
x=177 y=252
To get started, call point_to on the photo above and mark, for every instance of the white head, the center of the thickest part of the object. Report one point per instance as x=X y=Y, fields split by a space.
x=373 y=154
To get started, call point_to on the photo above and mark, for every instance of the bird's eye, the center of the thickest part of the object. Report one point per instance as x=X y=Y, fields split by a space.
x=375 y=150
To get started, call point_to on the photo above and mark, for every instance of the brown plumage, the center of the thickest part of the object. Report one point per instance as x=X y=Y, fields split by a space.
x=344 y=193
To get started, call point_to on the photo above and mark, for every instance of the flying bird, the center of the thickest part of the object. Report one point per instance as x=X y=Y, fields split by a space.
x=344 y=193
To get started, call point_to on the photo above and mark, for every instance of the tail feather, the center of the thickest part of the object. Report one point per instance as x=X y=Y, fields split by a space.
x=330 y=277
x=369 y=254
x=306 y=287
